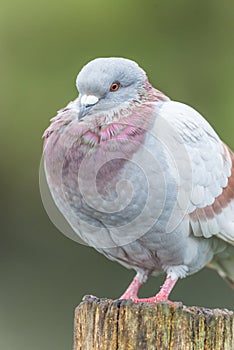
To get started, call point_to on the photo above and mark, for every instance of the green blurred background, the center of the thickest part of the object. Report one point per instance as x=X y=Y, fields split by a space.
x=187 y=49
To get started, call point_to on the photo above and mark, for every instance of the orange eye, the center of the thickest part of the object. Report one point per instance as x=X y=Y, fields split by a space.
x=114 y=87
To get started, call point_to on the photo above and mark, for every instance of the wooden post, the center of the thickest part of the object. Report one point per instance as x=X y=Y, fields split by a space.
x=103 y=324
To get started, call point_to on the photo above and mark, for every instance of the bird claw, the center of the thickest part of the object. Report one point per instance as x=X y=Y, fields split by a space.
x=154 y=299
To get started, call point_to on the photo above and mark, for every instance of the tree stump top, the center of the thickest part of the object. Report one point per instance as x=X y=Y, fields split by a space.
x=103 y=324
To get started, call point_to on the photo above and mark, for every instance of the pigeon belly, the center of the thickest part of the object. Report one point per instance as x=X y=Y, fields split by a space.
x=119 y=196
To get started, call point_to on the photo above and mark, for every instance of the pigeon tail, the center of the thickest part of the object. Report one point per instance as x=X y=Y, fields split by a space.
x=225 y=268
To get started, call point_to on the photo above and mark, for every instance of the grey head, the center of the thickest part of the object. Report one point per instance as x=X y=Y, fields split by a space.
x=105 y=83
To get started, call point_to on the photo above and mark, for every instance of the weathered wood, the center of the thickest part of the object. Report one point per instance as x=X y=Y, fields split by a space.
x=102 y=324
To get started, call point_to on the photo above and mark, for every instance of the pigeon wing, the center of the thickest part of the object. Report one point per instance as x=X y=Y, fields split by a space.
x=206 y=170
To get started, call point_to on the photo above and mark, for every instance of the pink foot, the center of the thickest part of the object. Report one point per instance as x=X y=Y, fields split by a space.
x=154 y=299
x=131 y=292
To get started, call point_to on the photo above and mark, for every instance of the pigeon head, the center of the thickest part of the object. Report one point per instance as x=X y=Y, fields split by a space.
x=105 y=83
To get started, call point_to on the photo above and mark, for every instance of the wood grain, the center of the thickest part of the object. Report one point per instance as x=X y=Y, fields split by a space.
x=103 y=324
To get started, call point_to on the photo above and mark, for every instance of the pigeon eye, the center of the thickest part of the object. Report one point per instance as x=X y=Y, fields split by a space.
x=114 y=86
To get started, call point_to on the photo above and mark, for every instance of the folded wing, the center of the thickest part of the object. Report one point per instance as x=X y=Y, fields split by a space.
x=209 y=190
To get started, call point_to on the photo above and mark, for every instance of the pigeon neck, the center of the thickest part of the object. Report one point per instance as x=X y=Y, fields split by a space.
x=127 y=124
x=152 y=94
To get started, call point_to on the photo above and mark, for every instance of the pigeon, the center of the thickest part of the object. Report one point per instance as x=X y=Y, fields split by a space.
x=144 y=180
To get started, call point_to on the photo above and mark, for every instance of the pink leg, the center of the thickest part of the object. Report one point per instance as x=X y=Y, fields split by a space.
x=163 y=294
x=131 y=292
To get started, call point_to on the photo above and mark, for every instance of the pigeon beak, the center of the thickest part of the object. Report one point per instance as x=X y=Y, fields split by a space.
x=86 y=102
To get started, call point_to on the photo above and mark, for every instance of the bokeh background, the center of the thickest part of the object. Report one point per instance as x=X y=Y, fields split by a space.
x=187 y=49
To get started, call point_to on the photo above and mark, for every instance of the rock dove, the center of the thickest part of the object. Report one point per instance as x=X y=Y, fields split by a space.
x=141 y=178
